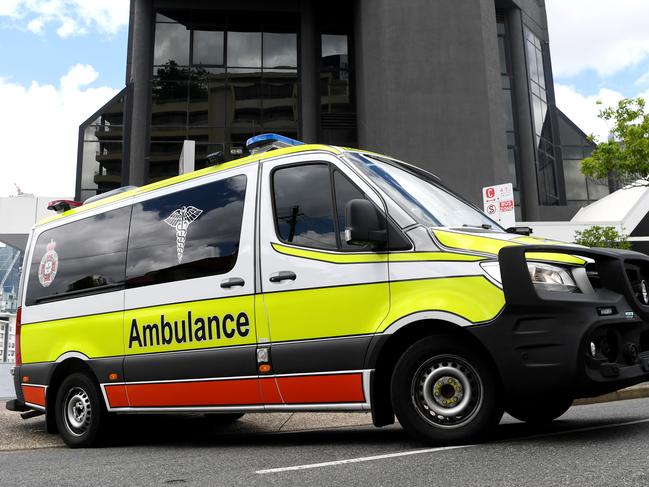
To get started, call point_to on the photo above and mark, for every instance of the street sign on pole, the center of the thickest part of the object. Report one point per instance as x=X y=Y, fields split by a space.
x=498 y=203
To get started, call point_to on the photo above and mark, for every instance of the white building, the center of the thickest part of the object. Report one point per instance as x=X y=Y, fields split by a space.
x=7 y=337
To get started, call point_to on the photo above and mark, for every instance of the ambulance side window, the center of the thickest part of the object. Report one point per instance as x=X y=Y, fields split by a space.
x=186 y=234
x=83 y=257
x=310 y=201
x=303 y=206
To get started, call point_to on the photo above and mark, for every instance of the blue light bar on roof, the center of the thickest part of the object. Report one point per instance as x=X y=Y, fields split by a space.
x=266 y=142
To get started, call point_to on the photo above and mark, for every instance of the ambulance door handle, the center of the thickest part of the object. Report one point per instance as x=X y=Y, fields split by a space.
x=283 y=276
x=232 y=282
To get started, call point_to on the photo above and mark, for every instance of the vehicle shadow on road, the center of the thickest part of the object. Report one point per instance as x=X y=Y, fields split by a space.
x=197 y=431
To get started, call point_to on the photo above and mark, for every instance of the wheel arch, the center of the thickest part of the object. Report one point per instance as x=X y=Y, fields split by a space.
x=385 y=350
x=66 y=365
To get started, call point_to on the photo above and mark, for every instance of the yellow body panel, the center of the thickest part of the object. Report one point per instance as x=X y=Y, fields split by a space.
x=94 y=336
x=473 y=298
x=326 y=312
x=487 y=245
x=374 y=258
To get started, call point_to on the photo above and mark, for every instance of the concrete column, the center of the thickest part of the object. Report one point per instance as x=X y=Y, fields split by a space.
x=140 y=57
x=526 y=139
x=309 y=75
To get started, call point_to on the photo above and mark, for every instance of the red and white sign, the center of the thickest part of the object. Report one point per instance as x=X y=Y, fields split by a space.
x=499 y=204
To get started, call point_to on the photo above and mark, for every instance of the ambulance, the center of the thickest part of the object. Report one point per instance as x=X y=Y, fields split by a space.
x=316 y=278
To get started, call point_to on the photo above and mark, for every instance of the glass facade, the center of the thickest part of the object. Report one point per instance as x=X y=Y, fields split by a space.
x=507 y=84
x=10 y=263
x=575 y=147
x=101 y=143
x=546 y=157
x=218 y=79
x=337 y=104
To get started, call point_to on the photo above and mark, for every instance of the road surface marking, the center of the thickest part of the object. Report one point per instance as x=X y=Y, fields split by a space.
x=362 y=459
x=443 y=448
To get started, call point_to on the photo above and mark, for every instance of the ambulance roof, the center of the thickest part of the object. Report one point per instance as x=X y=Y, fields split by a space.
x=193 y=175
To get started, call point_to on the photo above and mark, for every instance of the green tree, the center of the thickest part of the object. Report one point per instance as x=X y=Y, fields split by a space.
x=597 y=236
x=626 y=156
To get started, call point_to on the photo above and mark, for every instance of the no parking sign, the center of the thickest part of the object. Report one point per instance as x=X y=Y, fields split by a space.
x=499 y=204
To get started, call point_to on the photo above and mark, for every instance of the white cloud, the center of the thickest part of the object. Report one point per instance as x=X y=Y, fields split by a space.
x=604 y=35
x=39 y=139
x=69 y=17
x=584 y=110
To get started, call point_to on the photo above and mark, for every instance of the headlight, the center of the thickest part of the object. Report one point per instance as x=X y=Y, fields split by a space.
x=545 y=276
x=551 y=277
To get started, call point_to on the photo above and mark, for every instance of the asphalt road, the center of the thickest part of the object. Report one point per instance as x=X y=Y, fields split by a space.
x=596 y=445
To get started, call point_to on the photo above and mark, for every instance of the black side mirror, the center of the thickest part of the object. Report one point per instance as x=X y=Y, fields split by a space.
x=364 y=224
x=527 y=231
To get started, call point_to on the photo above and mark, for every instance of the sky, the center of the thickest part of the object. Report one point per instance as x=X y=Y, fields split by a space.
x=61 y=60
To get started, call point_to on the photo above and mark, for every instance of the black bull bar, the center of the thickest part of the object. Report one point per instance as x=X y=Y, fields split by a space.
x=611 y=265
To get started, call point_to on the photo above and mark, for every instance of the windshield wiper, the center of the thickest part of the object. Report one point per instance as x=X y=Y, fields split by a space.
x=484 y=226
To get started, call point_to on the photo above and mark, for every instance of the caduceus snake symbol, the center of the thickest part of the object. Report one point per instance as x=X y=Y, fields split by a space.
x=180 y=220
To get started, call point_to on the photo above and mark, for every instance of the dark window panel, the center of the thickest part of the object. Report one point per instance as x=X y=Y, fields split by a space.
x=244 y=49
x=163 y=160
x=303 y=206
x=334 y=45
x=207 y=101
x=162 y=249
x=280 y=50
x=208 y=47
x=87 y=255
x=171 y=44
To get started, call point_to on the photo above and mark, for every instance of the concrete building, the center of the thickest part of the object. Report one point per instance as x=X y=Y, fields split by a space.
x=462 y=88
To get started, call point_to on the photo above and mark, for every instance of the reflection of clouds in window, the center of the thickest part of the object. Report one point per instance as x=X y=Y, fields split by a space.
x=208 y=47
x=334 y=45
x=244 y=49
x=304 y=209
x=171 y=43
x=91 y=252
x=212 y=237
x=280 y=50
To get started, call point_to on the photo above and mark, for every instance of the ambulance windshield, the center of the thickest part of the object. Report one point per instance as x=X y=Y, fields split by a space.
x=417 y=192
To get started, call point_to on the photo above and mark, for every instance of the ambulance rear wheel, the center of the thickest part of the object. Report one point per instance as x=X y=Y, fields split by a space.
x=80 y=411
x=445 y=392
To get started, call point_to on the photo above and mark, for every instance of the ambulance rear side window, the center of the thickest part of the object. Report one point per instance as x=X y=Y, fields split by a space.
x=83 y=257
x=186 y=234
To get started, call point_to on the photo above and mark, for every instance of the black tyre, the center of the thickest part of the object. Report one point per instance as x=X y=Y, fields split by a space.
x=445 y=392
x=80 y=411
x=540 y=412
x=223 y=418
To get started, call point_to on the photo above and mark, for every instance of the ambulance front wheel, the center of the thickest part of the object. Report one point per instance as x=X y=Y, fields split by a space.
x=80 y=412
x=445 y=392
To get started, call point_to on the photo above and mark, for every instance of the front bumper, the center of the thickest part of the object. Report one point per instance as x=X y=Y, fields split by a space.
x=541 y=342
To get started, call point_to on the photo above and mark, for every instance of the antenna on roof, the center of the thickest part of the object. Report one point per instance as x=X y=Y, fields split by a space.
x=266 y=142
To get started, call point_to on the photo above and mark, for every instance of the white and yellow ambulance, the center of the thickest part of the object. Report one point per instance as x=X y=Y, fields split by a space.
x=316 y=278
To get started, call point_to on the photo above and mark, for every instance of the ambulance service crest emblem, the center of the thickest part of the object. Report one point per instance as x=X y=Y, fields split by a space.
x=49 y=265
x=180 y=219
